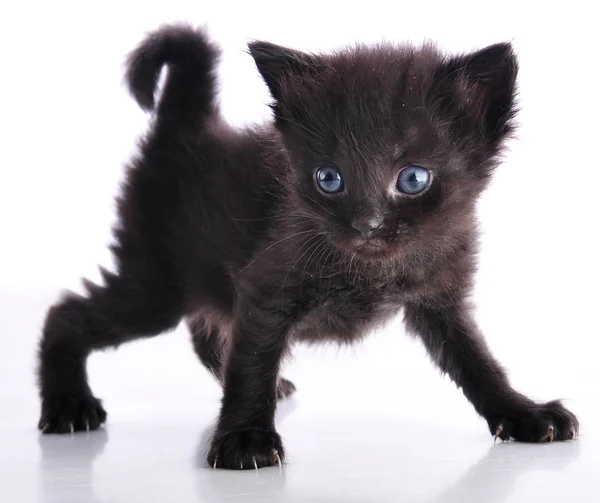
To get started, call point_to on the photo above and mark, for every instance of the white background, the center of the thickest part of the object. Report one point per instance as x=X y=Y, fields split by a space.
x=372 y=423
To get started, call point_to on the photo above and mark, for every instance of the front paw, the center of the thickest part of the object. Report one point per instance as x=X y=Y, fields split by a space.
x=71 y=413
x=246 y=449
x=536 y=423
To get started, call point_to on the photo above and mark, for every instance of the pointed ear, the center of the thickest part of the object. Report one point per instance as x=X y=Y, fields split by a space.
x=487 y=87
x=275 y=63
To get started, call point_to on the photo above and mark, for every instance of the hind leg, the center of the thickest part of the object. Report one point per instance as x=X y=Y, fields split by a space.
x=138 y=302
x=210 y=348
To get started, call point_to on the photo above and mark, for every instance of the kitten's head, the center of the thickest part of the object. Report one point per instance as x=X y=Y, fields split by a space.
x=390 y=146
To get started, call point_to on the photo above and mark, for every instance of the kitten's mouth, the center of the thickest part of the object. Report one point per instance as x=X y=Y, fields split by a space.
x=374 y=249
x=371 y=249
x=372 y=245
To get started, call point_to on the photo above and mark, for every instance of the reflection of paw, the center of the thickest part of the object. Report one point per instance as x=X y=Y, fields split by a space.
x=537 y=423
x=247 y=449
x=285 y=388
x=68 y=414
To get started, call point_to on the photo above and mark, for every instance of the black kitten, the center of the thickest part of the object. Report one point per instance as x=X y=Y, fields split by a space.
x=358 y=201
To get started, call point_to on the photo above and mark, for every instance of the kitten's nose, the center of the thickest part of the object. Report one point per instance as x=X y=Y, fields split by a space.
x=367 y=227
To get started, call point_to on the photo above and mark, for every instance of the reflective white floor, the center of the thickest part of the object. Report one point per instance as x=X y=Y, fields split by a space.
x=151 y=462
x=375 y=424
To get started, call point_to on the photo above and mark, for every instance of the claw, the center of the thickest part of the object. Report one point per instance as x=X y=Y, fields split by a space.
x=215 y=463
x=498 y=431
x=255 y=464
x=87 y=425
x=45 y=427
x=277 y=458
x=549 y=434
x=72 y=427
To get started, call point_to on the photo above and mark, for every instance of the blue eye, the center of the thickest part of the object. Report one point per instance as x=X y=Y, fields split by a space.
x=413 y=180
x=329 y=180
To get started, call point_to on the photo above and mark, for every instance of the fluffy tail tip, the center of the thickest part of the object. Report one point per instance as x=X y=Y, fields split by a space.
x=179 y=45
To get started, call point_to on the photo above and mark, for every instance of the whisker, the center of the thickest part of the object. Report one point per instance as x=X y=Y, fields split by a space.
x=319 y=258
x=271 y=246
x=306 y=264
x=295 y=261
x=321 y=206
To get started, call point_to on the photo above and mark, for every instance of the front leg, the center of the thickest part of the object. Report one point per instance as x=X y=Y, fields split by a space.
x=454 y=343
x=245 y=437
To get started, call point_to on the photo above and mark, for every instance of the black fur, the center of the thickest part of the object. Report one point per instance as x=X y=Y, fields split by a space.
x=228 y=229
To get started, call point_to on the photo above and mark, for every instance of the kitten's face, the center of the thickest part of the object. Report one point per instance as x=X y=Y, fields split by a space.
x=378 y=206
x=390 y=147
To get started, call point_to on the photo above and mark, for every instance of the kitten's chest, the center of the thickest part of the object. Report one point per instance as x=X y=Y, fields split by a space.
x=347 y=307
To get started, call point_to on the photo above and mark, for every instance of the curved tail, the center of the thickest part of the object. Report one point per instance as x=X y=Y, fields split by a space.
x=190 y=88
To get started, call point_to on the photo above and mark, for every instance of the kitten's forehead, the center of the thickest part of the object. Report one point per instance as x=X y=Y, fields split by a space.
x=366 y=96
x=373 y=75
